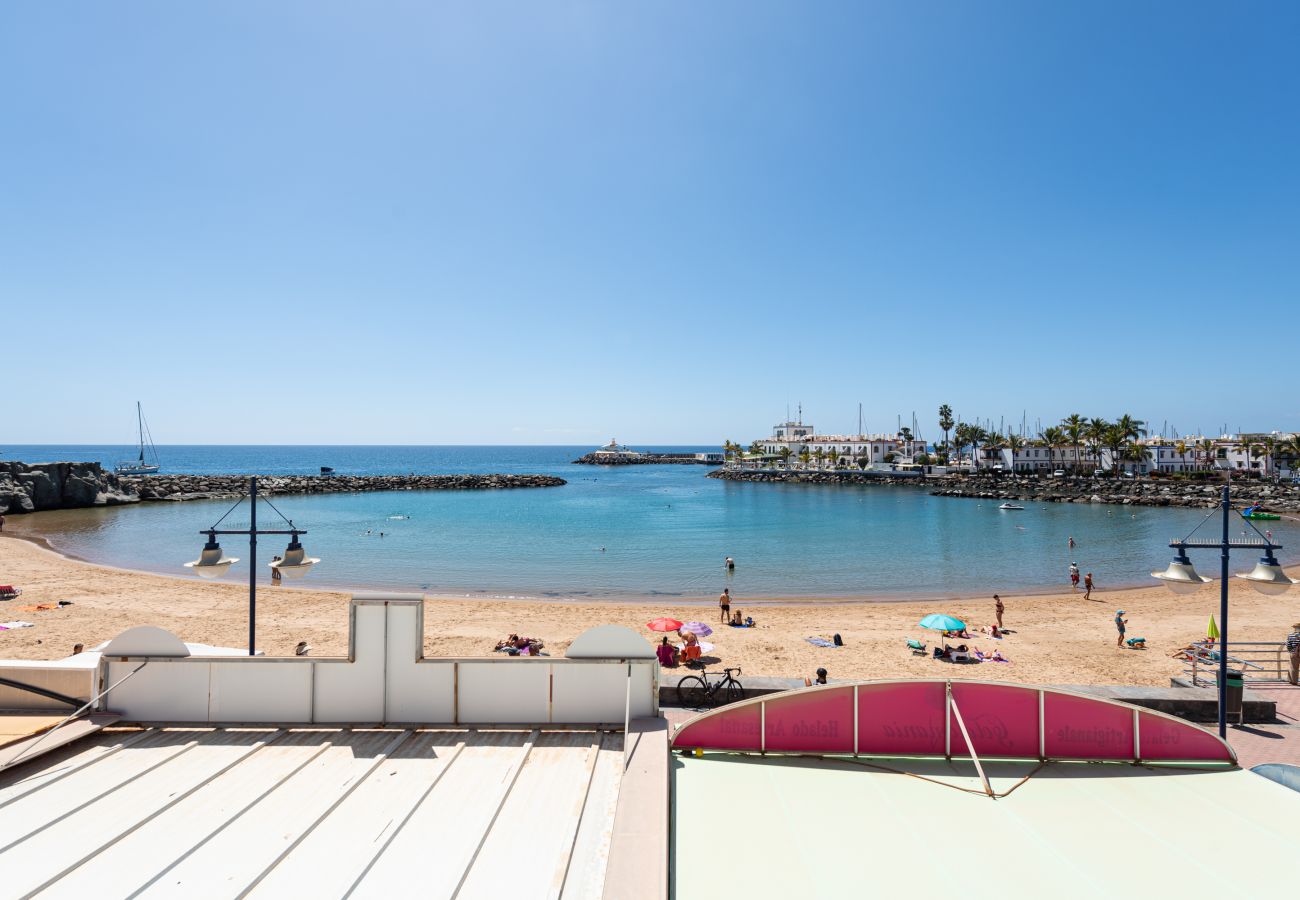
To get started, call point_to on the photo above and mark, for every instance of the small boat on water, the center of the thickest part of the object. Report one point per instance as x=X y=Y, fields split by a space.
x=139 y=466
x=1010 y=506
x=326 y=470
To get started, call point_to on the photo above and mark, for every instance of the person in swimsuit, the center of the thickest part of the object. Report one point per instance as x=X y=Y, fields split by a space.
x=724 y=602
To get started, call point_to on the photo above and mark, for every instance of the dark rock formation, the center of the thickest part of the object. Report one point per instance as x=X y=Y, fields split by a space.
x=642 y=459
x=814 y=477
x=33 y=487
x=208 y=487
x=1279 y=498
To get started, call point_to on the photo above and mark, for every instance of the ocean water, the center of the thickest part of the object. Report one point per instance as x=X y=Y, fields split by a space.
x=625 y=532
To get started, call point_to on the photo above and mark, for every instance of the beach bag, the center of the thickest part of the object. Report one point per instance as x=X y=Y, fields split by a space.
x=838 y=641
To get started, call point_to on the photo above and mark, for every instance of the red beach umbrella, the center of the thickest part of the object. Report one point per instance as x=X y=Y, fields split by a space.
x=663 y=624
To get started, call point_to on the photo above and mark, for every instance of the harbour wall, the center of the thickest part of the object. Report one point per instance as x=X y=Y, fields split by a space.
x=1279 y=498
x=643 y=459
x=33 y=487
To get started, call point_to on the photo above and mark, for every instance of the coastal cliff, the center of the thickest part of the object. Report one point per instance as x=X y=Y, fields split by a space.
x=209 y=487
x=31 y=487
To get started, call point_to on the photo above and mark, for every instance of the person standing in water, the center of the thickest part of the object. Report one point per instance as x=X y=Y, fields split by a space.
x=1074 y=576
x=724 y=602
x=731 y=565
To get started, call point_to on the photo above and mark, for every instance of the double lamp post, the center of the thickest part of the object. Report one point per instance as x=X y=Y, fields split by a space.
x=213 y=564
x=1267 y=577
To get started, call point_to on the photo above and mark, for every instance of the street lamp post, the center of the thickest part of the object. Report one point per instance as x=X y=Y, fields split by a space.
x=213 y=564
x=1267 y=577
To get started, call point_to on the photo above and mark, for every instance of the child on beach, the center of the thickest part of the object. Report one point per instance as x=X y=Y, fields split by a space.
x=1087 y=586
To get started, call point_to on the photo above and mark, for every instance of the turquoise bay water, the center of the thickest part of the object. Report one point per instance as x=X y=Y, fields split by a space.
x=665 y=530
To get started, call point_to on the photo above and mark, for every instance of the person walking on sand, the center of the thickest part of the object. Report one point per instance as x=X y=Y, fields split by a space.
x=1087 y=586
x=1293 y=648
x=1120 y=623
x=999 y=608
x=724 y=602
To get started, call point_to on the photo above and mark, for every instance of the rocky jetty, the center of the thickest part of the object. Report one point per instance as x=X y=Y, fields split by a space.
x=31 y=487
x=1279 y=498
x=216 y=487
x=642 y=459
x=814 y=477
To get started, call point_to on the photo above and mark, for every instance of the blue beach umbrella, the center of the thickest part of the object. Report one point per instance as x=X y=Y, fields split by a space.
x=937 y=622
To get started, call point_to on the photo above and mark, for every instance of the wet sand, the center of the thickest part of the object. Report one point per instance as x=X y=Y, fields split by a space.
x=1058 y=637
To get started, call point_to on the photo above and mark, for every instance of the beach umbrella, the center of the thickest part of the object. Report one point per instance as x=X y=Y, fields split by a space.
x=699 y=629
x=938 y=622
x=663 y=624
x=1213 y=630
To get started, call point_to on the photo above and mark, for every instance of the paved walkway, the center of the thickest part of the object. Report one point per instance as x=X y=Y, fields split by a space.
x=1277 y=742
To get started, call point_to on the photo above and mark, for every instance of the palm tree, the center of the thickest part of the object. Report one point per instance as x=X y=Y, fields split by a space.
x=729 y=449
x=756 y=448
x=1115 y=440
x=1096 y=432
x=945 y=422
x=1054 y=438
x=804 y=455
x=1132 y=428
x=864 y=458
x=1180 y=447
x=1074 y=426
x=785 y=453
x=821 y=458
x=1207 y=449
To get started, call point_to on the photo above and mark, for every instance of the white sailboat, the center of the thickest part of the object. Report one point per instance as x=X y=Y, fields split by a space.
x=139 y=466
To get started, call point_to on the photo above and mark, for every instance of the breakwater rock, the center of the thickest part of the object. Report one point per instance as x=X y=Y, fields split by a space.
x=643 y=459
x=31 y=487
x=1279 y=498
x=813 y=477
x=216 y=487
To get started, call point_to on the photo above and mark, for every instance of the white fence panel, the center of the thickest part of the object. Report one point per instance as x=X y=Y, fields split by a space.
x=249 y=690
x=354 y=691
x=597 y=692
x=165 y=690
x=513 y=690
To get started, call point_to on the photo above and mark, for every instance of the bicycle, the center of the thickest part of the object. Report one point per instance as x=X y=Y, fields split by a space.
x=696 y=691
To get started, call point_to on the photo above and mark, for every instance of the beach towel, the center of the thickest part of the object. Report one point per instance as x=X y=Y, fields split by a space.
x=8 y=625
x=819 y=642
x=39 y=607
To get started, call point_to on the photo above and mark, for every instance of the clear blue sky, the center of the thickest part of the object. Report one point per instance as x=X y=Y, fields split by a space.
x=657 y=221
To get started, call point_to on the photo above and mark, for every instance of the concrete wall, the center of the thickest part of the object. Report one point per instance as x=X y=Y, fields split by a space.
x=384 y=679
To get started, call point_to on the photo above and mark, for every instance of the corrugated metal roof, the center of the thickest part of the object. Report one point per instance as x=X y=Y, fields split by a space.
x=808 y=827
x=313 y=812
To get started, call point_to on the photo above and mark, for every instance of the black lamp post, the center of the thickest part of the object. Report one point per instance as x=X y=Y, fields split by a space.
x=212 y=564
x=1267 y=578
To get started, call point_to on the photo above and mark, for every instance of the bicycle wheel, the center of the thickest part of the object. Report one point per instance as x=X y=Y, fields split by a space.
x=735 y=691
x=691 y=692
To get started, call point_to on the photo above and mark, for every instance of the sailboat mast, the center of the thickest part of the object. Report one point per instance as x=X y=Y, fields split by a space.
x=139 y=422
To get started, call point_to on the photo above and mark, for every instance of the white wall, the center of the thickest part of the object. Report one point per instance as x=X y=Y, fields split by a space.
x=384 y=679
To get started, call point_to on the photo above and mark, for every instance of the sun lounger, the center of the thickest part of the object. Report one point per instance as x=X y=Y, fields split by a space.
x=917 y=647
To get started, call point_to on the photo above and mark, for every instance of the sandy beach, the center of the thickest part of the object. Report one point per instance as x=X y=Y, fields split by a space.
x=1058 y=638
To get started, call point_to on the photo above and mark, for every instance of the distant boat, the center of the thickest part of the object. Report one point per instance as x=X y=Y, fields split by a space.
x=326 y=470
x=1010 y=506
x=139 y=466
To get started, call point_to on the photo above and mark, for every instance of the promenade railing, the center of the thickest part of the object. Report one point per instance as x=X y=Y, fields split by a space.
x=1260 y=662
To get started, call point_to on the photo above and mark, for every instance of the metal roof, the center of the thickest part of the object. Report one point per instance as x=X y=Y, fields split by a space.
x=821 y=827
x=313 y=812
